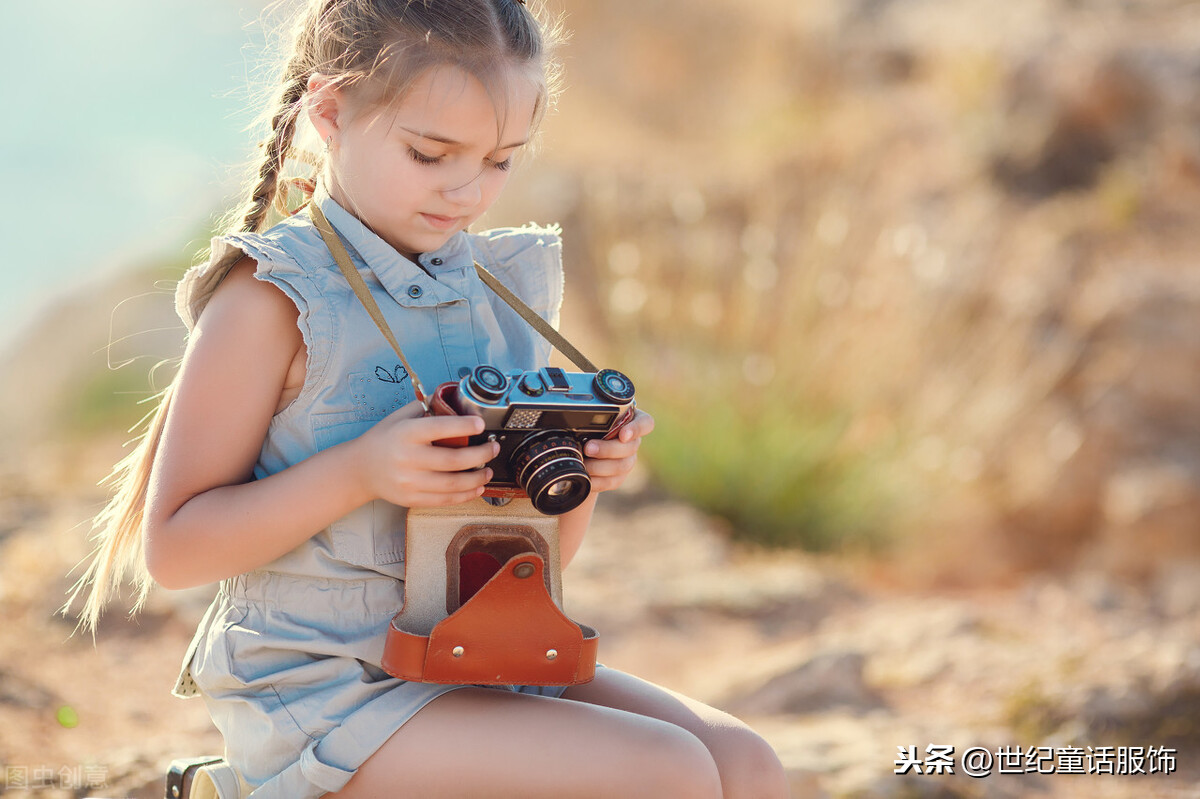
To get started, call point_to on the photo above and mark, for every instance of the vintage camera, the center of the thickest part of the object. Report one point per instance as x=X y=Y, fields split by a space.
x=541 y=419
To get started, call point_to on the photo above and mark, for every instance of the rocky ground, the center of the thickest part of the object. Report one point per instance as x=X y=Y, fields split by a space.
x=838 y=663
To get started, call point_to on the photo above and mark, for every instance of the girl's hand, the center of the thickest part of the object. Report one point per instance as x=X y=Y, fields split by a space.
x=400 y=463
x=610 y=462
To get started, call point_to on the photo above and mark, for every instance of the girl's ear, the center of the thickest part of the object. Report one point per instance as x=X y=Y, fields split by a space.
x=325 y=104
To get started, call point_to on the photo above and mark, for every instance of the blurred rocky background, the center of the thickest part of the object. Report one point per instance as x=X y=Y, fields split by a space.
x=910 y=287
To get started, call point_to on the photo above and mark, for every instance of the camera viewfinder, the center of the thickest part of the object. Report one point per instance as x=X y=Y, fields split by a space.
x=555 y=378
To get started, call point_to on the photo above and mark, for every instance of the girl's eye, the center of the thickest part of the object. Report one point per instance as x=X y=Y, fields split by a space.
x=504 y=165
x=421 y=158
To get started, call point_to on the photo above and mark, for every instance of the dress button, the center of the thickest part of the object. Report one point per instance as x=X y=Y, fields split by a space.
x=415 y=291
x=436 y=261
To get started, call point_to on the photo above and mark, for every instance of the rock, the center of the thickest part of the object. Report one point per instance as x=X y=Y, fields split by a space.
x=1139 y=715
x=20 y=692
x=1150 y=512
x=828 y=680
x=1075 y=120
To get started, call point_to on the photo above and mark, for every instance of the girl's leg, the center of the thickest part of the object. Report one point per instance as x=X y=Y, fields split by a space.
x=477 y=742
x=747 y=764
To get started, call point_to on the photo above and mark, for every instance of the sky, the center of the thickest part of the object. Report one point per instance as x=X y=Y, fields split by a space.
x=124 y=127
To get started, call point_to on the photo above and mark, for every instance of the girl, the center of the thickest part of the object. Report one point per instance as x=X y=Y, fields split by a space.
x=283 y=458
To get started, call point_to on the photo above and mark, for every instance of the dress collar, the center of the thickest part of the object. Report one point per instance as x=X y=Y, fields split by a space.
x=392 y=268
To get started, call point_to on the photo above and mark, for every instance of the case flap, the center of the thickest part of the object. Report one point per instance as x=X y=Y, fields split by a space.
x=510 y=632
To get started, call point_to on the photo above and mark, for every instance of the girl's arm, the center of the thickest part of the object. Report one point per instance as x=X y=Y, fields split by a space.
x=608 y=464
x=206 y=517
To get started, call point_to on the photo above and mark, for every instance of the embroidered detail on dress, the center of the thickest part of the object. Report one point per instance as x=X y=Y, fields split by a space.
x=397 y=375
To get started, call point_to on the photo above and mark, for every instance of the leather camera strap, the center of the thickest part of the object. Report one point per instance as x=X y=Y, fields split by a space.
x=536 y=322
x=351 y=273
x=364 y=294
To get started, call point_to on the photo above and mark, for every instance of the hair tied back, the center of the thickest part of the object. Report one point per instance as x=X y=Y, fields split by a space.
x=306 y=187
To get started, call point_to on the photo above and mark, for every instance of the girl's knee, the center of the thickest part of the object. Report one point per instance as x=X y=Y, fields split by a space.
x=663 y=760
x=676 y=763
x=748 y=765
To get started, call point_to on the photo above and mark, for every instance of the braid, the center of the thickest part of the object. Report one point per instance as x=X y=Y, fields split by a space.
x=283 y=129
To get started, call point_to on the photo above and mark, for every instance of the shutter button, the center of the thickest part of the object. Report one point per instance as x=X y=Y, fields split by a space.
x=414 y=291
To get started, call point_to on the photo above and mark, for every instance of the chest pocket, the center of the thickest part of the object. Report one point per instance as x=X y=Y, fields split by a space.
x=378 y=393
x=371 y=535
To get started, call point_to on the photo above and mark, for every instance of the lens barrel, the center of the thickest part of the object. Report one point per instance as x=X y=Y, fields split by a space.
x=549 y=468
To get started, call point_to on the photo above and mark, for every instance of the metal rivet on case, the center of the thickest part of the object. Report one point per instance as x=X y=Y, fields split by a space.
x=458 y=651
x=523 y=570
x=551 y=654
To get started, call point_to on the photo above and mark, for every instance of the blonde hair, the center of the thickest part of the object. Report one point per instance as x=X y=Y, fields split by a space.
x=374 y=49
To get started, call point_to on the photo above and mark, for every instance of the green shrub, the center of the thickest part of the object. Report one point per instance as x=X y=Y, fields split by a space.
x=775 y=466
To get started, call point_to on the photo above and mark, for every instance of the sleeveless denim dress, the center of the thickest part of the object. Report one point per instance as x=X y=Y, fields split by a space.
x=287 y=656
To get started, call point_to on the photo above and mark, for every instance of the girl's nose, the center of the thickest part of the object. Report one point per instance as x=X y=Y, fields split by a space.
x=466 y=194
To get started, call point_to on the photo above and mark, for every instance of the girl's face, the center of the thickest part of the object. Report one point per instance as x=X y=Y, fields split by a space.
x=419 y=171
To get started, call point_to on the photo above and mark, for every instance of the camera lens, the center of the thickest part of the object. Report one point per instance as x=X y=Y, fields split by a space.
x=612 y=386
x=560 y=489
x=549 y=468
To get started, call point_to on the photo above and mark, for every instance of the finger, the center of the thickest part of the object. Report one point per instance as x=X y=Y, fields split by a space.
x=599 y=448
x=600 y=484
x=405 y=414
x=433 y=499
x=435 y=428
x=422 y=486
x=453 y=482
x=457 y=459
x=642 y=424
x=609 y=468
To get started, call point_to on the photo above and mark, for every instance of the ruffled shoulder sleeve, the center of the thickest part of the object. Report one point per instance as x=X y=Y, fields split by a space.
x=199 y=283
x=529 y=261
x=287 y=256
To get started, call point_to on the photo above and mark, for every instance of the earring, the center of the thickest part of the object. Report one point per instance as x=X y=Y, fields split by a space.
x=328 y=142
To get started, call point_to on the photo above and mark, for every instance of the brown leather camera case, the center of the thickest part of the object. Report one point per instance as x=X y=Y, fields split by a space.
x=511 y=629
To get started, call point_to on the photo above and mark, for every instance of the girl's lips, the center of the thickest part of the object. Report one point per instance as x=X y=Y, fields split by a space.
x=440 y=222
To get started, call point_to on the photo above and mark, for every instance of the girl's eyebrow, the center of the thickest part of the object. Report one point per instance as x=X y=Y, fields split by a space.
x=453 y=143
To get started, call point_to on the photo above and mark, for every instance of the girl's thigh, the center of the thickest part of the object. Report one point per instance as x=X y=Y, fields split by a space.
x=477 y=742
